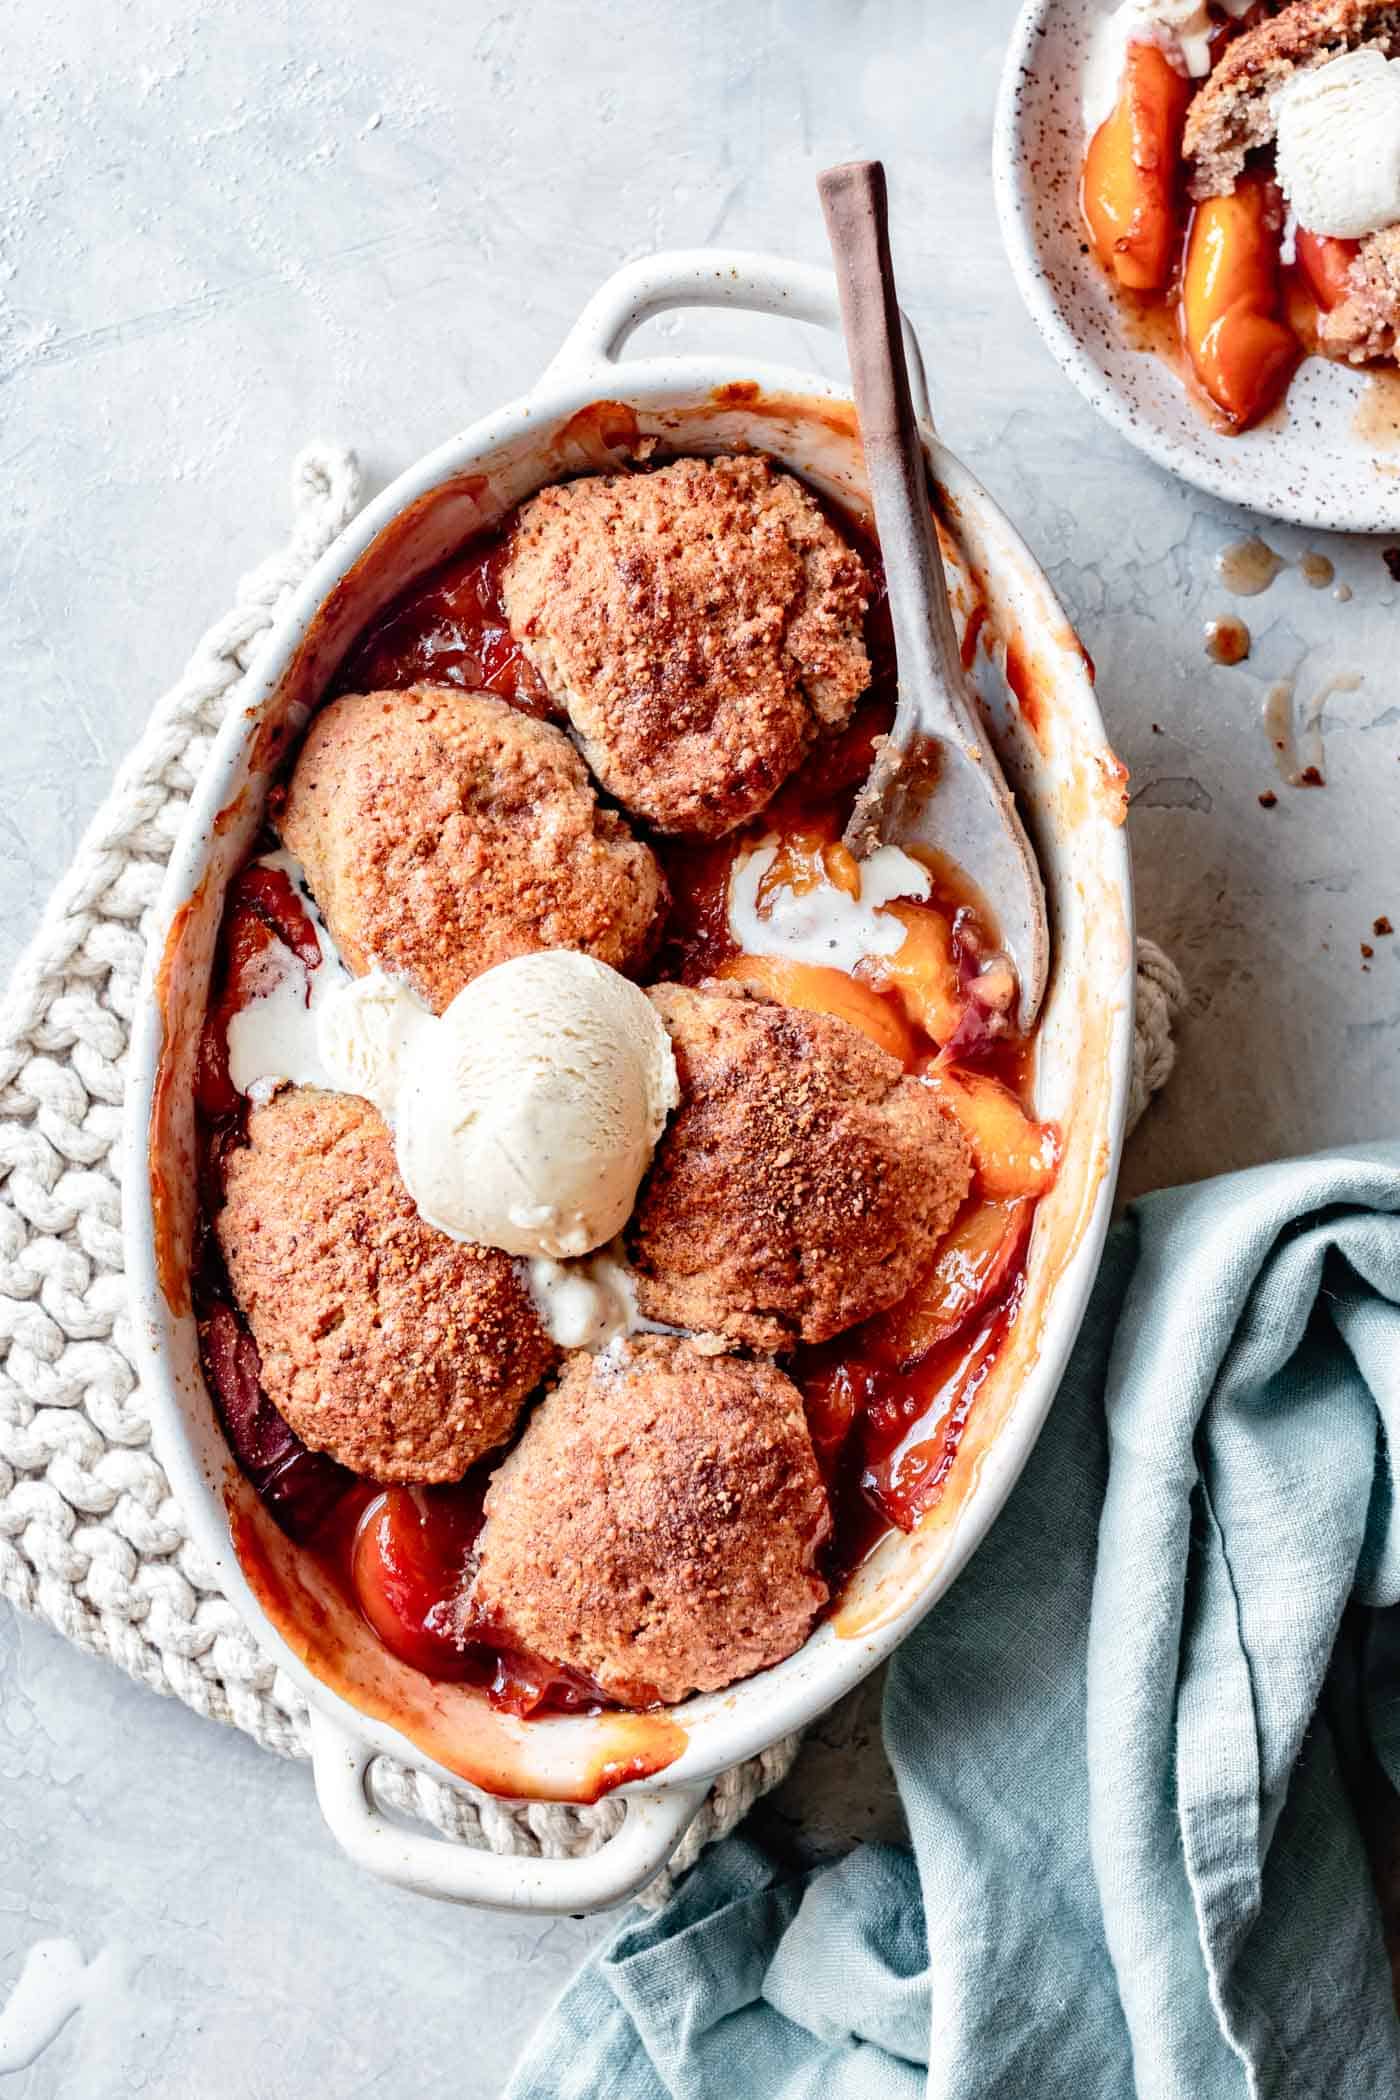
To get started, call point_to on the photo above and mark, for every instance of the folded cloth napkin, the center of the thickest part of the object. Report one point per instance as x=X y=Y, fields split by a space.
x=1128 y=1742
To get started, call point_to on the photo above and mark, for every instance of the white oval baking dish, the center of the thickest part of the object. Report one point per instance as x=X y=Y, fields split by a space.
x=587 y=410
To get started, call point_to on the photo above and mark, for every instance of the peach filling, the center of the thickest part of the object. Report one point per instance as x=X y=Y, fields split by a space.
x=888 y=1401
x=1243 y=318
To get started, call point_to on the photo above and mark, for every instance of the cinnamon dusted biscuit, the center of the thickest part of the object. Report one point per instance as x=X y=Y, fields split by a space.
x=657 y=1526
x=404 y=1354
x=443 y=832
x=702 y=624
x=804 y=1182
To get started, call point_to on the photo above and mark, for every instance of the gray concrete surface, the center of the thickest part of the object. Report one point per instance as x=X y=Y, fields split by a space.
x=225 y=230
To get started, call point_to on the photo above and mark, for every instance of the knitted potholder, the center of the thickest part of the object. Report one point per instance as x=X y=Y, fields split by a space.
x=91 y=1539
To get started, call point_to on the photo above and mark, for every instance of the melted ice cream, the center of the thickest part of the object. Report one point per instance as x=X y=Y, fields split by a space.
x=274 y=1040
x=53 y=1984
x=588 y=1304
x=822 y=925
x=365 y=1032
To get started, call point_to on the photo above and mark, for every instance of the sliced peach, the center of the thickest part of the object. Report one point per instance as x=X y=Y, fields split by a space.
x=1132 y=172
x=971 y=1266
x=1231 y=301
x=1014 y=1155
x=410 y=1552
x=842 y=867
x=833 y=1394
x=1326 y=263
x=796 y=867
x=817 y=990
x=1300 y=310
x=924 y=970
x=804 y=860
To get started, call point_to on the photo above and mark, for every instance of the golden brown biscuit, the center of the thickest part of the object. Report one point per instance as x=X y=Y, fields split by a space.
x=803 y=1183
x=442 y=832
x=658 y=1524
x=404 y=1354
x=702 y=624
x=1233 y=114
x=1366 y=324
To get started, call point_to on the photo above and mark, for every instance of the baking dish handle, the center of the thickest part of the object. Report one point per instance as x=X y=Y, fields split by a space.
x=653 y=1826
x=764 y=284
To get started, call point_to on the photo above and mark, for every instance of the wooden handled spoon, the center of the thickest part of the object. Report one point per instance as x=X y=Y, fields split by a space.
x=936 y=781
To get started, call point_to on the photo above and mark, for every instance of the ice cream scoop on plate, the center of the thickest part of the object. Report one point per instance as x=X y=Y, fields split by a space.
x=1339 y=145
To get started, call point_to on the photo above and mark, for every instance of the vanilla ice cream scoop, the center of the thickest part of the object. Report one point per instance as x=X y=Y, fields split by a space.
x=526 y=1115
x=364 y=1031
x=1339 y=145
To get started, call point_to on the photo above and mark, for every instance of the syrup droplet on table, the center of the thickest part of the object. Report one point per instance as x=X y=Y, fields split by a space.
x=1227 y=640
x=1317 y=571
x=1302 y=768
x=1247 y=567
x=1278 y=725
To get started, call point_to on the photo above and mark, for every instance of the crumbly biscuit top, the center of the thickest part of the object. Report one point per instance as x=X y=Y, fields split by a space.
x=1232 y=115
x=701 y=623
x=443 y=832
x=658 y=1525
x=403 y=1353
x=804 y=1181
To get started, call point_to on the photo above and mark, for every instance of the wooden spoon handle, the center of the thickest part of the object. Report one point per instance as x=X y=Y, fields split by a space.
x=855 y=202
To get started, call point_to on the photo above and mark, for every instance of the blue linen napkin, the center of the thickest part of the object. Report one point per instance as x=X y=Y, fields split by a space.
x=1129 y=1741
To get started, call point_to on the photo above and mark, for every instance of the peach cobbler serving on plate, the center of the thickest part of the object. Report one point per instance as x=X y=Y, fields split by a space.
x=614 y=1194
x=1242 y=179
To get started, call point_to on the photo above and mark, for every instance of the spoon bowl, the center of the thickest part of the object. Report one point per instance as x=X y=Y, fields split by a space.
x=936 y=783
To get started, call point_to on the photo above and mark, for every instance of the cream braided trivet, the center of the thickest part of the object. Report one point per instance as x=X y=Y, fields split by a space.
x=90 y=1539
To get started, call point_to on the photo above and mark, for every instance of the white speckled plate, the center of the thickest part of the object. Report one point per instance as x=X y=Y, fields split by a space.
x=1310 y=464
